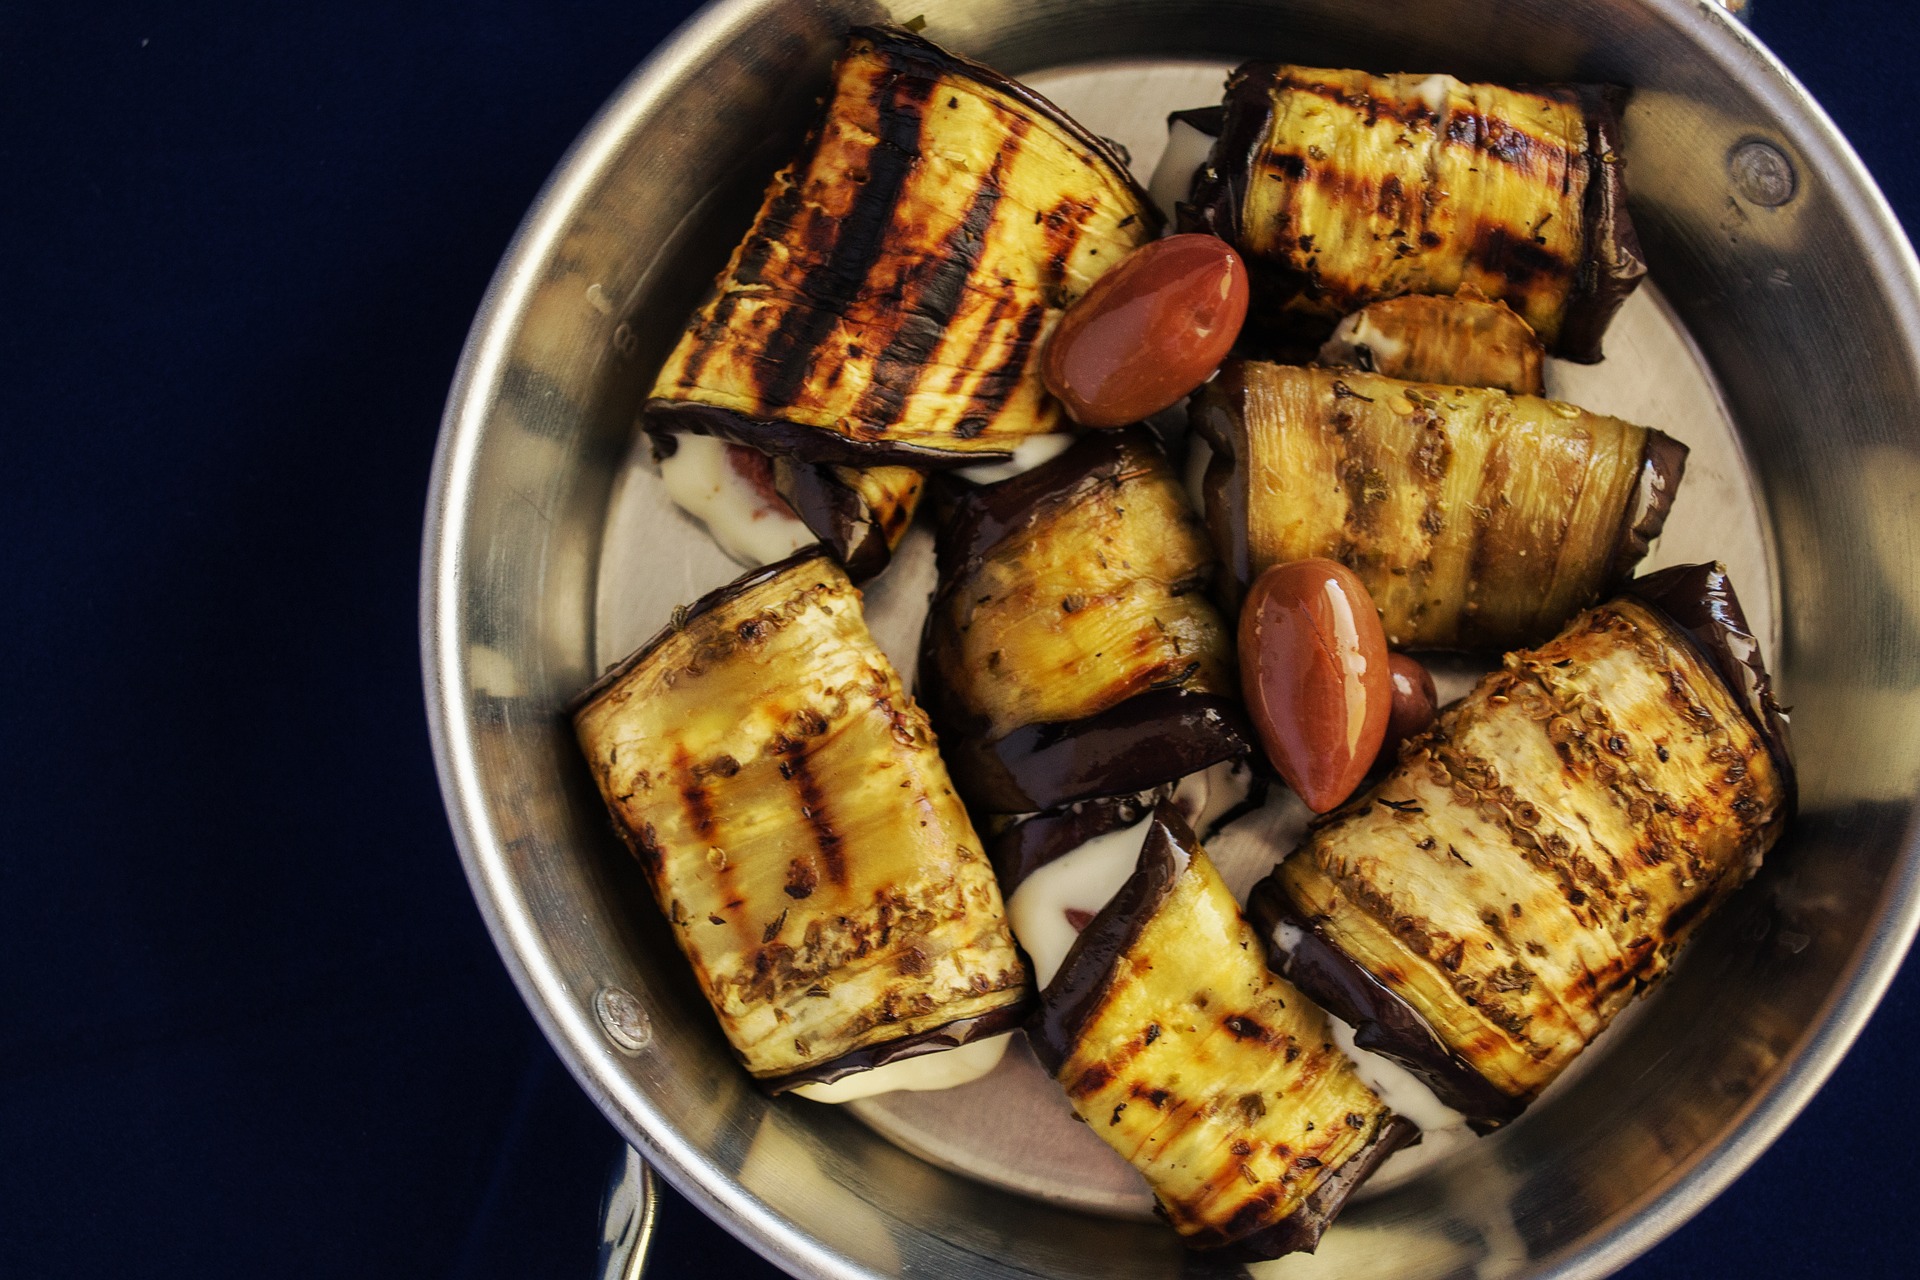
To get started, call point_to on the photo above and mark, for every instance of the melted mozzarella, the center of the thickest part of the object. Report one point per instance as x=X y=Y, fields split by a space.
x=1187 y=149
x=1082 y=881
x=702 y=480
x=944 y=1070
x=1027 y=455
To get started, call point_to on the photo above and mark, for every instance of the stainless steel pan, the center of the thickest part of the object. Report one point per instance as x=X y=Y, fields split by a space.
x=1771 y=247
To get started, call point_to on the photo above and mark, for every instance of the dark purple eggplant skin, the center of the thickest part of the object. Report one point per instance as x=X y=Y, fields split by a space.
x=1151 y=738
x=1662 y=468
x=705 y=604
x=1699 y=599
x=1614 y=264
x=836 y=514
x=1082 y=979
x=1612 y=267
x=1037 y=839
x=1207 y=120
x=1383 y=1023
x=1300 y=1231
x=933 y=1040
x=1076 y=992
x=981 y=518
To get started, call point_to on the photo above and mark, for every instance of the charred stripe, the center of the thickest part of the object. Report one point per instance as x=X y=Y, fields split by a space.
x=831 y=285
x=924 y=319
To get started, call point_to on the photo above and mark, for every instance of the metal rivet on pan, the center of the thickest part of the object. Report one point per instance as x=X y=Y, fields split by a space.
x=1762 y=174
x=622 y=1018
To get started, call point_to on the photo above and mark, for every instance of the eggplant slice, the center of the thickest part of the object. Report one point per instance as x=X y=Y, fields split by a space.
x=889 y=304
x=1342 y=188
x=1210 y=1074
x=1464 y=341
x=1072 y=650
x=1537 y=858
x=785 y=798
x=1477 y=520
x=859 y=513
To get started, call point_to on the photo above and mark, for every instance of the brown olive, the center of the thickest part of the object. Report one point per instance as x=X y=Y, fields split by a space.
x=1313 y=666
x=1147 y=332
x=1414 y=702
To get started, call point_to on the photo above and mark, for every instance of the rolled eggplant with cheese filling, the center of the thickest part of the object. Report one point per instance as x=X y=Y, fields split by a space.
x=1210 y=1074
x=1536 y=860
x=786 y=801
x=1072 y=650
x=1464 y=341
x=1342 y=188
x=1476 y=519
x=890 y=302
x=1058 y=868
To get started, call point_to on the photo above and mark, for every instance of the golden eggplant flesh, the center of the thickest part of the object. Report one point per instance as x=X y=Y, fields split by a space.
x=1536 y=859
x=1210 y=1074
x=1342 y=188
x=1463 y=341
x=1072 y=649
x=1476 y=519
x=889 y=303
x=786 y=800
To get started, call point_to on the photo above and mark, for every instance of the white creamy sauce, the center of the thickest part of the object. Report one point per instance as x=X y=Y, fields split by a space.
x=1083 y=880
x=1205 y=797
x=1442 y=1129
x=1027 y=455
x=1356 y=331
x=703 y=482
x=947 y=1069
x=1187 y=150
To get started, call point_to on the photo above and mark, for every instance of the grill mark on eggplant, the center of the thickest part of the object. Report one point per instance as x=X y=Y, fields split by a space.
x=1511 y=144
x=1519 y=261
x=832 y=284
x=813 y=807
x=993 y=385
x=693 y=793
x=922 y=321
x=751 y=269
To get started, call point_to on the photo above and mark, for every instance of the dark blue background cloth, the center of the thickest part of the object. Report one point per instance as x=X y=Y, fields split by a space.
x=251 y=1022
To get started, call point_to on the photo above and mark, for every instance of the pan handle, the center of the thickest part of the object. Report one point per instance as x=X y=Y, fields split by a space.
x=626 y=1218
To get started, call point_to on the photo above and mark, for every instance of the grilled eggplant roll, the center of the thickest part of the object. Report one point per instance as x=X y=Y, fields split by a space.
x=1341 y=188
x=1072 y=650
x=1464 y=341
x=1213 y=1076
x=1537 y=858
x=890 y=302
x=1477 y=520
x=785 y=798
x=1058 y=868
